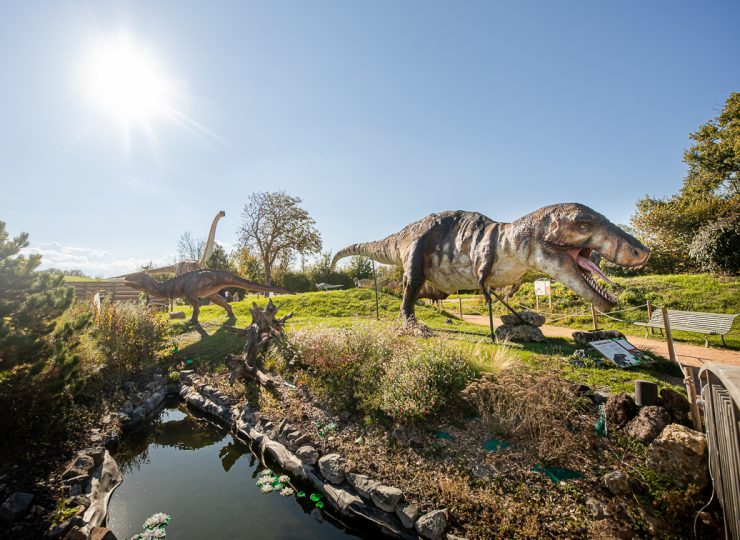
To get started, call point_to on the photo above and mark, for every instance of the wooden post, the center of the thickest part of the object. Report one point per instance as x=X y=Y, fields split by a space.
x=668 y=335
x=460 y=301
x=490 y=319
x=377 y=309
x=536 y=302
x=650 y=315
x=549 y=299
x=593 y=317
x=691 y=391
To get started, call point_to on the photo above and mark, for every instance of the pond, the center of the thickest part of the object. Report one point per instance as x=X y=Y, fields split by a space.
x=183 y=465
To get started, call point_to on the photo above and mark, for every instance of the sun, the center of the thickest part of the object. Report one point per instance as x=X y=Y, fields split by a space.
x=126 y=81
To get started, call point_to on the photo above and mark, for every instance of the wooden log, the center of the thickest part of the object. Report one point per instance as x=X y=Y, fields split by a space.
x=593 y=317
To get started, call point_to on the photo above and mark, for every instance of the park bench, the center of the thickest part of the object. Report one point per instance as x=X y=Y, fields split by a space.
x=713 y=324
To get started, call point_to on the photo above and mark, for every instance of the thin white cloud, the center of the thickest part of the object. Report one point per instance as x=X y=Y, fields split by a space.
x=92 y=261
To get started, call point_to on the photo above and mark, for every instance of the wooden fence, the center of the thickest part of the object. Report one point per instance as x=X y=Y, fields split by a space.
x=114 y=290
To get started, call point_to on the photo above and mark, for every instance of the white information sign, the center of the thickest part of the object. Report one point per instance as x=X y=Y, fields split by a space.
x=542 y=287
x=616 y=352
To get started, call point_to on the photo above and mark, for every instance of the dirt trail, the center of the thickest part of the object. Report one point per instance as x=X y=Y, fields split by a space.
x=688 y=354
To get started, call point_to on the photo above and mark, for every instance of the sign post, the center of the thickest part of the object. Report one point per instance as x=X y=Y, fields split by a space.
x=542 y=288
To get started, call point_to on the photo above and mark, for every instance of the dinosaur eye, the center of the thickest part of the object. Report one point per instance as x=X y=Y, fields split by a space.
x=584 y=227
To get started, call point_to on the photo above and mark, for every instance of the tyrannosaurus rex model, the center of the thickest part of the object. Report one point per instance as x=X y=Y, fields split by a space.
x=195 y=285
x=466 y=250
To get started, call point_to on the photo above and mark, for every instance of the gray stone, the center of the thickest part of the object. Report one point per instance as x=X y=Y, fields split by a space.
x=617 y=482
x=385 y=497
x=97 y=453
x=680 y=454
x=432 y=525
x=15 y=506
x=530 y=318
x=307 y=454
x=484 y=470
x=82 y=465
x=600 y=396
x=78 y=500
x=620 y=409
x=101 y=533
x=362 y=484
x=521 y=333
x=597 y=508
x=332 y=468
x=648 y=424
x=407 y=513
x=153 y=387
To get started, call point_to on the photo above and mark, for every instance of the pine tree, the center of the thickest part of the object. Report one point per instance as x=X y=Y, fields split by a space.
x=30 y=301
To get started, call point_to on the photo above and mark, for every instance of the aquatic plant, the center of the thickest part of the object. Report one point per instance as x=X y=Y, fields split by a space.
x=286 y=492
x=154 y=527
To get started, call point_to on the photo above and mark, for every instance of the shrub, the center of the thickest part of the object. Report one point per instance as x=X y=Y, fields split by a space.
x=344 y=366
x=418 y=382
x=716 y=247
x=129 y=334
x=370 y=370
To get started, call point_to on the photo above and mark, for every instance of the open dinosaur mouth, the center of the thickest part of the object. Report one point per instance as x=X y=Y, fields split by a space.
x=588 y=269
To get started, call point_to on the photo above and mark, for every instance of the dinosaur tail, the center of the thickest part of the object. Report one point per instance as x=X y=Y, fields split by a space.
x=236 y=281
x=382 y=251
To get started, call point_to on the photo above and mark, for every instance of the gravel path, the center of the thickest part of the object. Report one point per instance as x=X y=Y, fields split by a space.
x=688 y=354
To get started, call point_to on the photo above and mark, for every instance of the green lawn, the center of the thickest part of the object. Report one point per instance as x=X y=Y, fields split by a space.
x=209 y=347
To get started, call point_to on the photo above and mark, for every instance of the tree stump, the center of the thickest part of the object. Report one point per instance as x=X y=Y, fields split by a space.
x=264 y=327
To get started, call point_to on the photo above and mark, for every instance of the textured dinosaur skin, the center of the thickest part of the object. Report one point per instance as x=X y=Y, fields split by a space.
x=466 y=250
x=195 y=285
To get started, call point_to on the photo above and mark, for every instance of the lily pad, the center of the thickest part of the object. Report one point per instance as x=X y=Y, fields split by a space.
x=315 y=497
x=495 y=445
x=300 y=494
x=319 y=504
x=444 y=435
x=557 y=474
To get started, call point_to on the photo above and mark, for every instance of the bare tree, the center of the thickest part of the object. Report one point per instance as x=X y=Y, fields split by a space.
x=190 y=248
x=277 y=229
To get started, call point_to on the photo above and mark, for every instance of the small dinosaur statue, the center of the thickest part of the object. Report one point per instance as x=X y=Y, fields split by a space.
x=195 y=285
x=461 y=250
x=327 y=286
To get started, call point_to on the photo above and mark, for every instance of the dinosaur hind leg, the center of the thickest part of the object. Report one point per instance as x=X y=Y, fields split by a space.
x=195 y=302
x=413 y=280
x=221 y=301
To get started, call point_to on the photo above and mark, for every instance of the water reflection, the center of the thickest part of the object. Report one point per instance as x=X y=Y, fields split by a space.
x=205 y=479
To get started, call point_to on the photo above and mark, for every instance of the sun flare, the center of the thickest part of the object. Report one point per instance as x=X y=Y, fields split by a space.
x=126 y=81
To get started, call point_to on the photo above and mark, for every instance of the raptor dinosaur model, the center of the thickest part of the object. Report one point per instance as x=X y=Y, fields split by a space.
x=466 y=250
x=195 y=285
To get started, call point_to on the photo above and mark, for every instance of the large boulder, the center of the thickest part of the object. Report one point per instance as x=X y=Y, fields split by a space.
x=332 y=468
x=531 y=318
x=677 y=406
x=307 y=454
x=680 y=454
x=362 y=484
x=386 y=497
x=620 y=409
x=617 y=482
x=82 y=465
x=432 y=525
x=648 y=424
x=15 y=506
x=407 y=513
x=520 y=333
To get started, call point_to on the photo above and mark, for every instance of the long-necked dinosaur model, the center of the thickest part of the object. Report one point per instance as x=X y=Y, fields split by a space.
x=195 y=285
x=466 y=250
x=183 y=267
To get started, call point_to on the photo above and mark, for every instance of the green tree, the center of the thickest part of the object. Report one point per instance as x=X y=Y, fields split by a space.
x=716 y=246
x=30 y=301
x=710 y=192
x=219 y=259
x=360 y=268
x=248 y=264
x=277 y=228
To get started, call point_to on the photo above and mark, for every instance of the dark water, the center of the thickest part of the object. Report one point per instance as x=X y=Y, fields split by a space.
x=205 y=479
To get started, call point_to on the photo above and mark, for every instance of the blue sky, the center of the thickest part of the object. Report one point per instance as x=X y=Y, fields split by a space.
x=374 y=113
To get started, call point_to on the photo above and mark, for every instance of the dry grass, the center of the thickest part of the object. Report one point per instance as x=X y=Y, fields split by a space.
x=538 y=410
